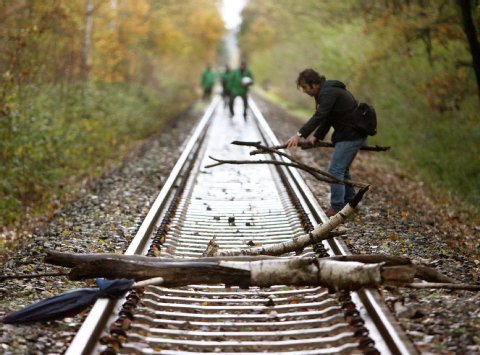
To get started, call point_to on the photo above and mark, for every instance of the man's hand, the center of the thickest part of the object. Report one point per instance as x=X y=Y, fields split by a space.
x=292 y=142
x=312 y=140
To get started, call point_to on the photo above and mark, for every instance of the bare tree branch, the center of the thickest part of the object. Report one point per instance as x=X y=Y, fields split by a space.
x=308 y=145
x=318 y=174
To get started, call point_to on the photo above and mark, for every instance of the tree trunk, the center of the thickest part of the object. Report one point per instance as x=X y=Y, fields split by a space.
x=338 y=275
x=471 y=33
x=87 y=40
x=71 y=260
x=248 y=271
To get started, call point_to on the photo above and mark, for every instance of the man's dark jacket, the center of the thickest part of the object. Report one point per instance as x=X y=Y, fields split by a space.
x=335 y=108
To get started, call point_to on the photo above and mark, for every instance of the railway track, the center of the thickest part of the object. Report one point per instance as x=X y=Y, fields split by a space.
x=238 y=205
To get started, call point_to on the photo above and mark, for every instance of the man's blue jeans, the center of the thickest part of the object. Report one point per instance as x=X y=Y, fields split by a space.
x=342 y=157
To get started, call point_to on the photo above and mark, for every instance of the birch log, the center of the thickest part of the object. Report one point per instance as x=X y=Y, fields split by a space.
x=338 y=275
x=307 y=272
x=72 y=260
x=319 y=233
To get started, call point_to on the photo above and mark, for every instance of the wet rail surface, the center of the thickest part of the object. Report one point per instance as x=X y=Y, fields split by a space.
x=239 y=205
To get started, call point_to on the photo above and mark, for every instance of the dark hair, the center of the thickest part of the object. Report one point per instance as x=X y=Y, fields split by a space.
x=310 y=77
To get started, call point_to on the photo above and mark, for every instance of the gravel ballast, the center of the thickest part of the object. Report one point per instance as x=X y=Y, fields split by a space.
x=399 y=217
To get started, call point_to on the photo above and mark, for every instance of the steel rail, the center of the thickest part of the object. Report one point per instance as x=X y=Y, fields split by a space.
x=87 y=337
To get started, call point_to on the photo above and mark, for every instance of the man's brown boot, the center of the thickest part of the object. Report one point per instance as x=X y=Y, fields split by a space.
x=330 y=212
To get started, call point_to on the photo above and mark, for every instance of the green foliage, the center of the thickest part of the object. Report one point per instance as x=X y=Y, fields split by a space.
x=45 y=145
x=403 y=59
x=78 y=88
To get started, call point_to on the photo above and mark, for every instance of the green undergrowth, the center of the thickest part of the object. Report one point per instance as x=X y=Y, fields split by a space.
x=444 y=157
x=442 y=147
x=54 y=136
x=438 y=143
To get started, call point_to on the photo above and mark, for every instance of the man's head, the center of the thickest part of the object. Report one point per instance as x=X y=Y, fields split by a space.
x=243 y=64
x=310 y=81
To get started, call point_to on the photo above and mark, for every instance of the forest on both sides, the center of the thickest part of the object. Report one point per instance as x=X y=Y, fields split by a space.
x=84 y=81
x=411 y=59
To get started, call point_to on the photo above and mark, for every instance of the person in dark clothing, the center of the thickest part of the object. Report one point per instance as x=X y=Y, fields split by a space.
x=207 y=81
x=239 y=83
x=224 y=77
x=335 y=107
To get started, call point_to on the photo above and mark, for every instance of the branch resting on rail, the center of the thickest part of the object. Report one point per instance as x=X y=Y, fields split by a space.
x=348 y=272
x=73 y=260
x=263 y=273
x=319 y=233
x=317 y=173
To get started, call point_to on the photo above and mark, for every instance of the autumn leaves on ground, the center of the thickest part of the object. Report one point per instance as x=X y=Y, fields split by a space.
x=83 y=82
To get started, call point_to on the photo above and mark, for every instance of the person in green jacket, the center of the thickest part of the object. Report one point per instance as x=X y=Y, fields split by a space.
x=208 y=81
x=224 y=76
x=238 y=83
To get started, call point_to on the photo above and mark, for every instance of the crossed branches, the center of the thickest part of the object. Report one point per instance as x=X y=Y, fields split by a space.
x=261 y=149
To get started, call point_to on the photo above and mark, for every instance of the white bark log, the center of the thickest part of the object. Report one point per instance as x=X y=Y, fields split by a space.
x=319 y=233
x=310 y=272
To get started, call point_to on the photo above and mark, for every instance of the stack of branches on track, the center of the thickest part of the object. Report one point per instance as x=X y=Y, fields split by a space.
x=261 y=266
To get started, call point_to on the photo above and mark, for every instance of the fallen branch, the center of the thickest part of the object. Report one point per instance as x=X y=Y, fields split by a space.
x=308 y=145
x=261 y=149
x=257 y=271
x=304 y=145
x=262 y=273
x=71 y=260
x=317 y=173
x=422 y=272
x=174 y=273
x=446 y=286
x=428 y=274
x=319 y=233
x=387 y=260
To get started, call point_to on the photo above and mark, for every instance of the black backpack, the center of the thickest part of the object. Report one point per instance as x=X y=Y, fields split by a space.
x=366 y=119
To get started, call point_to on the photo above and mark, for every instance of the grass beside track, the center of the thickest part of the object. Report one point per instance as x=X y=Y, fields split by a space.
x=62 y=135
